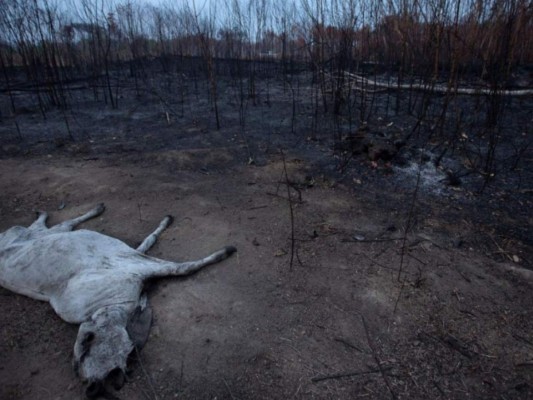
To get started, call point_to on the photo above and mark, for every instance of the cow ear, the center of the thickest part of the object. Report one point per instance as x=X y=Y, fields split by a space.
x=86 y=343
x=139 y=325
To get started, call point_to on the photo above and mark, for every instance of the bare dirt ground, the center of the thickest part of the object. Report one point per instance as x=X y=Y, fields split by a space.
x=338 y=324
x=251 y=327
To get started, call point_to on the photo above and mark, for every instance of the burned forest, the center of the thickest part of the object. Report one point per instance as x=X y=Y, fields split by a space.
x=371 y=161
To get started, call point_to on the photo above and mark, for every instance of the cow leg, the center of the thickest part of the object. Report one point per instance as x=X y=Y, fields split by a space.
x=161 y=268
x=151 y=238
x=40 y=222
x=70 y=224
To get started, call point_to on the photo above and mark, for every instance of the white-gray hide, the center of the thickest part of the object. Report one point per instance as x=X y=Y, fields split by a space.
x=93 y=280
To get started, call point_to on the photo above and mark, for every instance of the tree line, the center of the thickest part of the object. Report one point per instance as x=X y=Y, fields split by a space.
x=51 y=41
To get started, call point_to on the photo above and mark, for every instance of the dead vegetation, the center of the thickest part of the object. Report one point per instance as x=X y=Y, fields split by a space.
x=371 y=159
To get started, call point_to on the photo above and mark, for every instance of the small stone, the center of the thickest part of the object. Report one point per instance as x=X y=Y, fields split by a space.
x=457 y=243
x=280 y=253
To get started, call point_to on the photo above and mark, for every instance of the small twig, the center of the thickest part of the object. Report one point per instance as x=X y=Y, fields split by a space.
x=408 y=225
x=220 y=203
x=417 y=259
x=298 y=259
x=502 y=251
x=139 y=208
x=376 y=358
x=297 y=391
x=350 y=345
x=462 y=275
x=348 y=374
x=256 y=208
x=181 y=373
x=527 y=364
x=399 y=296
x=458 y=346
x=284 y=198
x=424 y=336
x=293 y=242
x=523 y=339
x=148 y=377
x=229 y=390
x=468 y=313
x=438 y=387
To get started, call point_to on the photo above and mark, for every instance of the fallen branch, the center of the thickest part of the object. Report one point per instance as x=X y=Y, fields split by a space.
x=348 y=374
x=527 y=364
x=436 y=88
x=369 y=240
x=523 y=339
x=458 y=346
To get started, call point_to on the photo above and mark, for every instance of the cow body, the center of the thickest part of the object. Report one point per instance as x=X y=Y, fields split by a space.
x=93 y=280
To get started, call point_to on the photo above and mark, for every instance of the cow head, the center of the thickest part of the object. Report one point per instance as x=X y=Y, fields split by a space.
x=104 y=344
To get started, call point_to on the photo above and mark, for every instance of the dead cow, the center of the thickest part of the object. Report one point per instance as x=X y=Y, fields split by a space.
x=93 y=280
